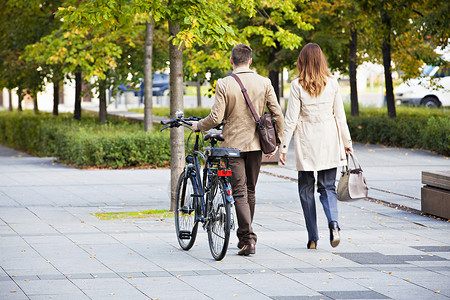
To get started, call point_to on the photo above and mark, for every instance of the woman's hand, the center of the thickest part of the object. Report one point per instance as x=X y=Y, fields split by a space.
x=347 y=150
x=283 y=158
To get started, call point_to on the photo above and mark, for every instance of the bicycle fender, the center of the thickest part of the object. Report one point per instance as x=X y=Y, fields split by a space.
x=229 y=194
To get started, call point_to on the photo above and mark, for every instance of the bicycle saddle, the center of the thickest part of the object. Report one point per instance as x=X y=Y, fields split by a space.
x=217 y=136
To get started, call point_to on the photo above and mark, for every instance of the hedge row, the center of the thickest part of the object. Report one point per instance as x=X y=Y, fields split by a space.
x=84 y=144
x=420 y=128
x=124 y=144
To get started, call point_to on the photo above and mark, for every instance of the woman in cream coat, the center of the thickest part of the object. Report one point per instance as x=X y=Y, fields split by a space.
x=315 y=117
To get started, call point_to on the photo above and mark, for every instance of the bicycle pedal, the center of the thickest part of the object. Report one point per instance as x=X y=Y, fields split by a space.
x=184 y=235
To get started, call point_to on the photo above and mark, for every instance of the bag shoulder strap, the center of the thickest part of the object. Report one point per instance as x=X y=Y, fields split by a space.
x=247 y=98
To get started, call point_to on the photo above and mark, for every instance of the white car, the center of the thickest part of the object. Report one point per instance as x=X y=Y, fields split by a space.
x=432 y=89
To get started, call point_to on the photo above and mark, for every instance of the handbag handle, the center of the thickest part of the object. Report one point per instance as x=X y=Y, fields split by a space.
x=247 y=98
x=352 y=156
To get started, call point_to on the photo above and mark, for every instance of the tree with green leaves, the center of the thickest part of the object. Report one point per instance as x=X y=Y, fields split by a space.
x=273 y=34
x=36 y=20
x=337 y=25
x=88 y=43
x=399 y=28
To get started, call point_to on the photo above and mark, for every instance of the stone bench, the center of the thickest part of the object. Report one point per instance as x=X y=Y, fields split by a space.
x=435 y=195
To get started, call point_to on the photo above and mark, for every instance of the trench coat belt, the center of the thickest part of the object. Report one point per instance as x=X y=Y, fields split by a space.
x=316 y=119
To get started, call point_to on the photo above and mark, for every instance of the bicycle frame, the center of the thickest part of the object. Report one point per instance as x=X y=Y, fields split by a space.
x=204 y=195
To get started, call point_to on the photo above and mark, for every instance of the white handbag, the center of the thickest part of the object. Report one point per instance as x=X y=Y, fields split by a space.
x=352 y=185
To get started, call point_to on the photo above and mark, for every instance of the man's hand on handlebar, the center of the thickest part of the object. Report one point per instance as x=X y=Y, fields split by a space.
x=194 y=125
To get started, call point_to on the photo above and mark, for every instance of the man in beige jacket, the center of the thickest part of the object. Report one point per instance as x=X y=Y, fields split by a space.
x=239 y=131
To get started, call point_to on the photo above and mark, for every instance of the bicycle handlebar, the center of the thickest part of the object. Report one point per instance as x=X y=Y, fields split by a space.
x=179 y=122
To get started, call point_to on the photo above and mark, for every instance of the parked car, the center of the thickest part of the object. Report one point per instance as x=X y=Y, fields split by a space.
x=431 y=89
x=160 y=86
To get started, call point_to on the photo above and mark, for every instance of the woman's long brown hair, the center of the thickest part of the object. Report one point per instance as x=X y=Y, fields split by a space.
x=312 y=69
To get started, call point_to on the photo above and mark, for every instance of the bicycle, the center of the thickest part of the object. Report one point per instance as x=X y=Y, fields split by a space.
x=204 y=197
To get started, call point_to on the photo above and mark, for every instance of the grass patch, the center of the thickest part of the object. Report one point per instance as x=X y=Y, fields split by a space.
x=155 y=213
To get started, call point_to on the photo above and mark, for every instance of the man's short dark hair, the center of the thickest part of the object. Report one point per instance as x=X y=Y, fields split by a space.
x=241 y=54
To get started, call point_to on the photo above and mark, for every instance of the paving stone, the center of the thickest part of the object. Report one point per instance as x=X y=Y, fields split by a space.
x=312 y=297
x=372 y=258
x=132 y=274
x=432 y=248
x=157 y=274
x=183 y=273
x=105 y=275
x=51 y=276
x=26 y=278
x=208 y=272
x=353 y=295
x=9 y=290
x=79 y=276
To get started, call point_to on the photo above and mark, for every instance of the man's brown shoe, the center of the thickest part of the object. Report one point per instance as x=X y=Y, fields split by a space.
x=247 y=250
x=240 y=245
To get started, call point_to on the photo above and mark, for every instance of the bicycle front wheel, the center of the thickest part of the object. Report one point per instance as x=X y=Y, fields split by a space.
x=219 y=224
x=185 y=224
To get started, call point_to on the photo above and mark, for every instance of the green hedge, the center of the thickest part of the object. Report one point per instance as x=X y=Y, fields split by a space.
x=125 y=144
x=421 y=128
x=85 y=144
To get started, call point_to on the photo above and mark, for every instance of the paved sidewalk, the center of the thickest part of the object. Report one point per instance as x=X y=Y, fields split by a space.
x=51 y=247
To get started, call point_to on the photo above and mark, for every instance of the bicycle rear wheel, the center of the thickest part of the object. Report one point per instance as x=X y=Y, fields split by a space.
x=185 y=224
x=219 y=224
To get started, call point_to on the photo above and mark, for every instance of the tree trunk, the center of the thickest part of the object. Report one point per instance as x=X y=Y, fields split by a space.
x=352 y=65
x=77 y=110
x=20 y=95
x=199 y=93
x=35 y=102
x=55 y=97
x=274 y=76
x=10 y=100
x=102 y=113
x=281 y=84
x=386 y=49
x=148 y=76
x=176 y=104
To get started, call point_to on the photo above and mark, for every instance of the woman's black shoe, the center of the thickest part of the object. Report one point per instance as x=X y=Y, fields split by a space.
x=312 y=245
x=335 y=239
